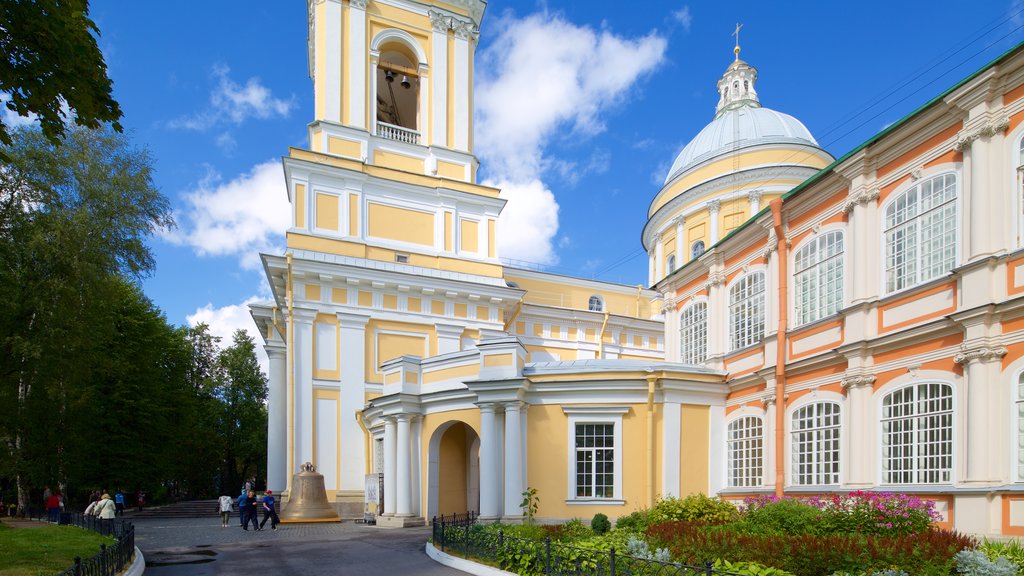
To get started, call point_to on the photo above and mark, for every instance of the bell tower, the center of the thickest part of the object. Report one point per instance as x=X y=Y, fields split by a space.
x=393 y=83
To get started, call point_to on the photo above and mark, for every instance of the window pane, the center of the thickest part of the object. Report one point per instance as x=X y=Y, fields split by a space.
x=917 y=434
x=746 y=310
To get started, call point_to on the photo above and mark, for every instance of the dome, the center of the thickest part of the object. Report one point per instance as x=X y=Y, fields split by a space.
x=737 y=128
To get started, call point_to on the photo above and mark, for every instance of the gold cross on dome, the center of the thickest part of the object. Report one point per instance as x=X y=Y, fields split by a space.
x=737 y=35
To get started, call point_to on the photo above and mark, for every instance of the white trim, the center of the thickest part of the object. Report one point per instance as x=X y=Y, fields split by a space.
x=730 y=339
x=594 y=415
x=717 y=458
x=462 y=88
x=400 y=36
x=1016 y=421
x=439 y=88
x=744 y=412
x=332 y=62
x=357 y=60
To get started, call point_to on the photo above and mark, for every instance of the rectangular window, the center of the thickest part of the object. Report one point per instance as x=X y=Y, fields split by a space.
x=595 y=460
x=917 y=435
x=745 y=452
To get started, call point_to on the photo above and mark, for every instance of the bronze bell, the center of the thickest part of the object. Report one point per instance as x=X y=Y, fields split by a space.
x=307 y=501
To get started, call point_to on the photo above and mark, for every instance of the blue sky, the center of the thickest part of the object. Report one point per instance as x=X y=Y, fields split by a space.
x=218 y=93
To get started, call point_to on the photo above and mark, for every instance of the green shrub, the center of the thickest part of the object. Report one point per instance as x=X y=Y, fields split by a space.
x=1011 y=550
x=638 y=548
x=782 y=517
x=636 y=522
x=571 y=531
x=693 y=508
x=976 y=563
x=600 y=524
x=749 y=569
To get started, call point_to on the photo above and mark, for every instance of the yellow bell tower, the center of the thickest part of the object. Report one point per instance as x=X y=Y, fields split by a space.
x=393 y=83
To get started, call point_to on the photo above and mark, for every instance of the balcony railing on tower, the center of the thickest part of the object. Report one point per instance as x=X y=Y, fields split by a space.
x=392 y=132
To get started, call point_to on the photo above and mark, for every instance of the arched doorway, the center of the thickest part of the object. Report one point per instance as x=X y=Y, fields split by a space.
x=454 y=484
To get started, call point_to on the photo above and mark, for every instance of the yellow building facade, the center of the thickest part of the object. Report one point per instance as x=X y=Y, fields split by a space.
x=809 y=325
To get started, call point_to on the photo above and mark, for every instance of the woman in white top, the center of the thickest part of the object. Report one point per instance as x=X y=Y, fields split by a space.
x=105 y=508
x=225 y=503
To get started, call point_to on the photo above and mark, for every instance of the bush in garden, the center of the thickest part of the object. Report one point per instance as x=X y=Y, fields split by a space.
x=636 y=522
x=638 y=548
x=780 y=517
x=881 y=513
x=572 y=530
x=1012 y=550
x=600 y=524
x=749 y=569
x=976 y=563
x=694 y=508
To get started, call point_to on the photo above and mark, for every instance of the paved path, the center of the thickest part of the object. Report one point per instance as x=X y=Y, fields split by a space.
x=200 y=547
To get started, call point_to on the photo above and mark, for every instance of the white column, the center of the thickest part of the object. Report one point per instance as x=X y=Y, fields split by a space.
x=277 y=419
x=713 y=207
x=659 y=258
x=857 y=444
x=462 y=85
x=670 y=432
x=439 y=79
x=979 y=444
x=390 y=463
x=352 y=447
x=332 y=61
x=650 y=268
x=490 y=464
x=357 y=63
x=423 y=116
x=403 y=484
x=680 y=244
x=768 y=467
x=513 y=462
x=303 y=381
x=754 y=197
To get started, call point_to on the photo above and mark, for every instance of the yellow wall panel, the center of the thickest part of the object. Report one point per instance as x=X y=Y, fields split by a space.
x=415 y=305
x=327 y=211
x=572 y=332
x=339 y=295
x=398 y=161
x=482 y=313
x=497 y=360
x=343 y=147
x=393 y=223
x=450 y=170
x=694 y=444
x=457 y=372
x=437 y=307
x=460 y=311
x=390 y=302
x=299 y=200
x=469 y=235
x=521 y=328
x=578 y=297
x=365 y=299
x=416 y=332
x=313 y=292
x=391 y=346
x=538 y=329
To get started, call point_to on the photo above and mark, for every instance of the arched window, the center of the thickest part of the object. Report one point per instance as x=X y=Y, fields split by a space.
x=693 y=333
x=917 y=434
x=746 y=311
x=397 y=98
x=671 y=263
x=745 y=452
x=1020 y=427
x=815 y=444
x=920 y=233
x=819 y=277
x=595 y=304
x=696 y=249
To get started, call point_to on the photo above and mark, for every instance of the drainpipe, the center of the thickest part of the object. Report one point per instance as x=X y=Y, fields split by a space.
x=291 y=375
x=651 y=381
x=600 y=337
x=780 y=343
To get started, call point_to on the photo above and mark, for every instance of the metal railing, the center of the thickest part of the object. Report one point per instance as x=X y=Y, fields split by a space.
x=460 y=534
x=393 y=132
x=111 y=559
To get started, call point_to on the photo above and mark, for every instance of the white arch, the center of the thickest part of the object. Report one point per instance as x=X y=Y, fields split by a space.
x=402 y=37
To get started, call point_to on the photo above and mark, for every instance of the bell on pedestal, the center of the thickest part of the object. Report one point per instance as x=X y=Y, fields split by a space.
x=307 y=501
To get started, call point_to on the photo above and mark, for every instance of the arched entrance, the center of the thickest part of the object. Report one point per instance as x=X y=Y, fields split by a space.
x=454 y=469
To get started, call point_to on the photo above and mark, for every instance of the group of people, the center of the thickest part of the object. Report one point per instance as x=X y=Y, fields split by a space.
x=248 y=509
x=101 y=504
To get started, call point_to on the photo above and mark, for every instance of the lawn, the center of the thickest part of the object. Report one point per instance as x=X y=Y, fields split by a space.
x=45 y=550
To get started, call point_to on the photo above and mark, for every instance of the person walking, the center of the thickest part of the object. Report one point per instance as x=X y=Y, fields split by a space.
x=243 y=509
x=269 y=512
x=105 y=508
x=224 y=504
x=53 y=507
x=251 y=512
x=119 y=503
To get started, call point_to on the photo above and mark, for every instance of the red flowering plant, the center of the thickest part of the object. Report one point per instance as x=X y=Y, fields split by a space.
x=881 y=513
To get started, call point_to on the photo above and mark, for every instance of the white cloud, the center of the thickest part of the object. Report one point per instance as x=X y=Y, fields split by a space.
x=683 y=17
x=12 y=119
x=225 y=320
x=226 y=142
x=240 y=217
x=542 y=78
x=231 y=102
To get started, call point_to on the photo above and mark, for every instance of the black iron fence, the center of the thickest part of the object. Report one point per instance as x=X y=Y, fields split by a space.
x=459 y=534
x=112 y=558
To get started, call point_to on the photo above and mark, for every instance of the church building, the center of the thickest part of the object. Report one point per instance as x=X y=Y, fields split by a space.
x=809 y=325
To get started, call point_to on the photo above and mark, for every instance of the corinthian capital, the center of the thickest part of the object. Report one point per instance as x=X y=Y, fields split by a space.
x=857 y=381
x=981 y=353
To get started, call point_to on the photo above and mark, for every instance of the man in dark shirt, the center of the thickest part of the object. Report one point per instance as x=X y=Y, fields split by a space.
x=243 y=509
x=250 y=506
x=269 y=512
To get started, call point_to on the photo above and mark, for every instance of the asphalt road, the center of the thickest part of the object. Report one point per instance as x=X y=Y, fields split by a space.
x=200 y=547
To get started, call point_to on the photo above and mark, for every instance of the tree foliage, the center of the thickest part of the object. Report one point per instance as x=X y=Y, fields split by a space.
x=49 y=59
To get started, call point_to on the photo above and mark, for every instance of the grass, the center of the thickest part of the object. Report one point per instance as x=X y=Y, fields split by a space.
x=46 y=550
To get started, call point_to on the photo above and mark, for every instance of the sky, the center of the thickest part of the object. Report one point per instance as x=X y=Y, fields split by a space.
x=581 y=108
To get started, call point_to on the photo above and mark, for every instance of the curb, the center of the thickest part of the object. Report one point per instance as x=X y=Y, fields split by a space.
x=138 y=565
x=467 y=566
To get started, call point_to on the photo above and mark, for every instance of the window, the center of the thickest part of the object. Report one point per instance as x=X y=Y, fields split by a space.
x=1020 y=427
x=595 y=304
x=819 y=277
x=815 y=447
x=696 y=249
x=693 y=333
x=595 y=460
x=746 y=452
x=746 y=311
x=671 y=263
x=917 y=434
x=920 y=233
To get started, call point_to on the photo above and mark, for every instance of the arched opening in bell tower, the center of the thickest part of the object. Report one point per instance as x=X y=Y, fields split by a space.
x=398 y=94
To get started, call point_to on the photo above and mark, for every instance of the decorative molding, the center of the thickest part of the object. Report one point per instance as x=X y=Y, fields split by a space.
x=754 y=196
x=981 y=353
x=714 y=206
x=857 y=380
x=860 y=198
x=993 y=126
x=438 y=21
x=715 y=279
x=463 y=30
x=360 y=4
x=768 y=401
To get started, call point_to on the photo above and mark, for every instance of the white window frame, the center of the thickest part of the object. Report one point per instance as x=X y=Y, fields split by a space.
x=670 y=263
x=1017 y=161
x=594 y=415
x=826 y=303
x=600 y=303
x=1017 y=408
x=694 y=336
x=918 y=262
x=816 y=453
x=914 y=431
x=754 y=336
x=752 y=463
x=693 y=246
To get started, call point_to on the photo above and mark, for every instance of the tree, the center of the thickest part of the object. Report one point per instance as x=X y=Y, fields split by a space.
x=50 y=59
x=72 y=218
x=242 y=390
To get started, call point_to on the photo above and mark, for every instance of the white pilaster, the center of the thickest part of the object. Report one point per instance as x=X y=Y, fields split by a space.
x=462 y=86
x=713 y=207
x=390 y=464
x=979 y=412
x=403 y=480
x=449 y=338
x=277 y=419
x=859 y=415
x=490 y=464
x=659 y=258
x=332 y=61
x=670 y=449
x=439 y=80
x=513 y=461
x=716 y=438
x=357 y=64
x=754 y=197
x=303 y=381
x=650 y=268
x=680 y=244
x=353 y=397
x=769 y=437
